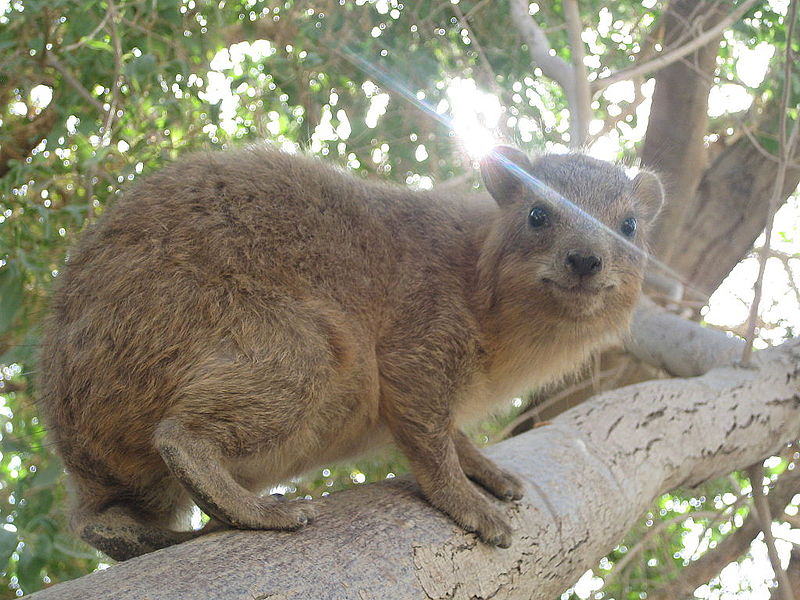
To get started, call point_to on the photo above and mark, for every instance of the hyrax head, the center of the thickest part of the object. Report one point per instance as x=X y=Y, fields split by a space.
x=571 y=234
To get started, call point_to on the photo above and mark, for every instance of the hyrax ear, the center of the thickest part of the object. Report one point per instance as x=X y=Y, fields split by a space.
x=503 y=171
x=649 y=194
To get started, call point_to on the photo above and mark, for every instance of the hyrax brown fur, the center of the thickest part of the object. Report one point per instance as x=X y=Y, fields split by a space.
x=241 y=317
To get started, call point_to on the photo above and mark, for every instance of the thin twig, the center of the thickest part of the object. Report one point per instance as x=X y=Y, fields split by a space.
x=644 y=542
x=579 y=122
x=115 y=86
x=86 y=38
x=491 y=76
x=785 y=258
x=489 y=73
x=761 y=506
x=552 y=66
x=786 y=149
x=180 y=50
x=757 y=145
x=474 y=10
x=629 y=110
x=792 y=282
x=73 y=82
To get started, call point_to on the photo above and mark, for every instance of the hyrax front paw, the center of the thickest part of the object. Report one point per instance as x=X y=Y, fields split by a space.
x=500 y=483
x=488 y=523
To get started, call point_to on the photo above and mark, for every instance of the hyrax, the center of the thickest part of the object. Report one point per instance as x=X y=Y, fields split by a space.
x=242 y=317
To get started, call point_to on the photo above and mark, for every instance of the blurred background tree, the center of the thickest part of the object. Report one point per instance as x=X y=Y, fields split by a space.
x=95 y=94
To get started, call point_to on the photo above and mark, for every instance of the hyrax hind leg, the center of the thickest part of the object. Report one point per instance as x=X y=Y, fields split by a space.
x=245 y=406
x=199 y=465
x=117 y=532
x=124 y=522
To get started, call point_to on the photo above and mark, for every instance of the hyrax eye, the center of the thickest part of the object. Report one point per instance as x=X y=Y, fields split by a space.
x=629 y=226
x=538 y=217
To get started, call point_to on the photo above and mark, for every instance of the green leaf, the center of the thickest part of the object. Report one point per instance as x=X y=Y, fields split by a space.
x=99 y=45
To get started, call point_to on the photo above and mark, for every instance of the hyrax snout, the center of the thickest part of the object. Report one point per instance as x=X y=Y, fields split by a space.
x=241 y=317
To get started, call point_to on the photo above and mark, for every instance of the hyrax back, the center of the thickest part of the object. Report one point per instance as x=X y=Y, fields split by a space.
x=241 y=317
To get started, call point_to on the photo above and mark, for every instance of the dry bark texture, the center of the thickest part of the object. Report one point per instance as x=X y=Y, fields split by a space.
x=589 y=475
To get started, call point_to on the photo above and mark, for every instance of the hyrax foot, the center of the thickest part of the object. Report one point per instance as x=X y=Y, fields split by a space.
x=488 y=523
x=483 y=471
x=118 y=534
x=270 y=513
x=499 y=483
x=467 y=507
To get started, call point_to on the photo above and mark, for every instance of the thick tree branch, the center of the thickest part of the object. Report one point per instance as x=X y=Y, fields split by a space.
x=701 y=348
x=715 y=211
x=383 y=541
x=728 y=211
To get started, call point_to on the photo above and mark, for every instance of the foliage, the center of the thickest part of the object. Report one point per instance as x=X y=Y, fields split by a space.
x=94 y=94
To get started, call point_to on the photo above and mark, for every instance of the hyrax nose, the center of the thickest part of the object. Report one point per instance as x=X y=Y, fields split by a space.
x=583 y=264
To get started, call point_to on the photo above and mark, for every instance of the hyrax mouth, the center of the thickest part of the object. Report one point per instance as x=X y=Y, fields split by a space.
x=580 y=287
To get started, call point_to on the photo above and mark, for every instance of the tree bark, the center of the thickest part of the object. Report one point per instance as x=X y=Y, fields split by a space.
x=589 y=475
x=654 y=331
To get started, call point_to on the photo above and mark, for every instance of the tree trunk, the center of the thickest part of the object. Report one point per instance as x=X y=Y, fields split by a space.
x=728 y=213
x=674 y=144
x=714 y=211
x=589 y=475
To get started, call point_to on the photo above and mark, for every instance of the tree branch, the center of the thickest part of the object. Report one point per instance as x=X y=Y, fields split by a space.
x=581 y=112
x=764 y=517
x=700 y=348
x=674 y=143
x=670 y=56
x=555 y=68
x=383 y=541
x=786 y=150
x=732 y=547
